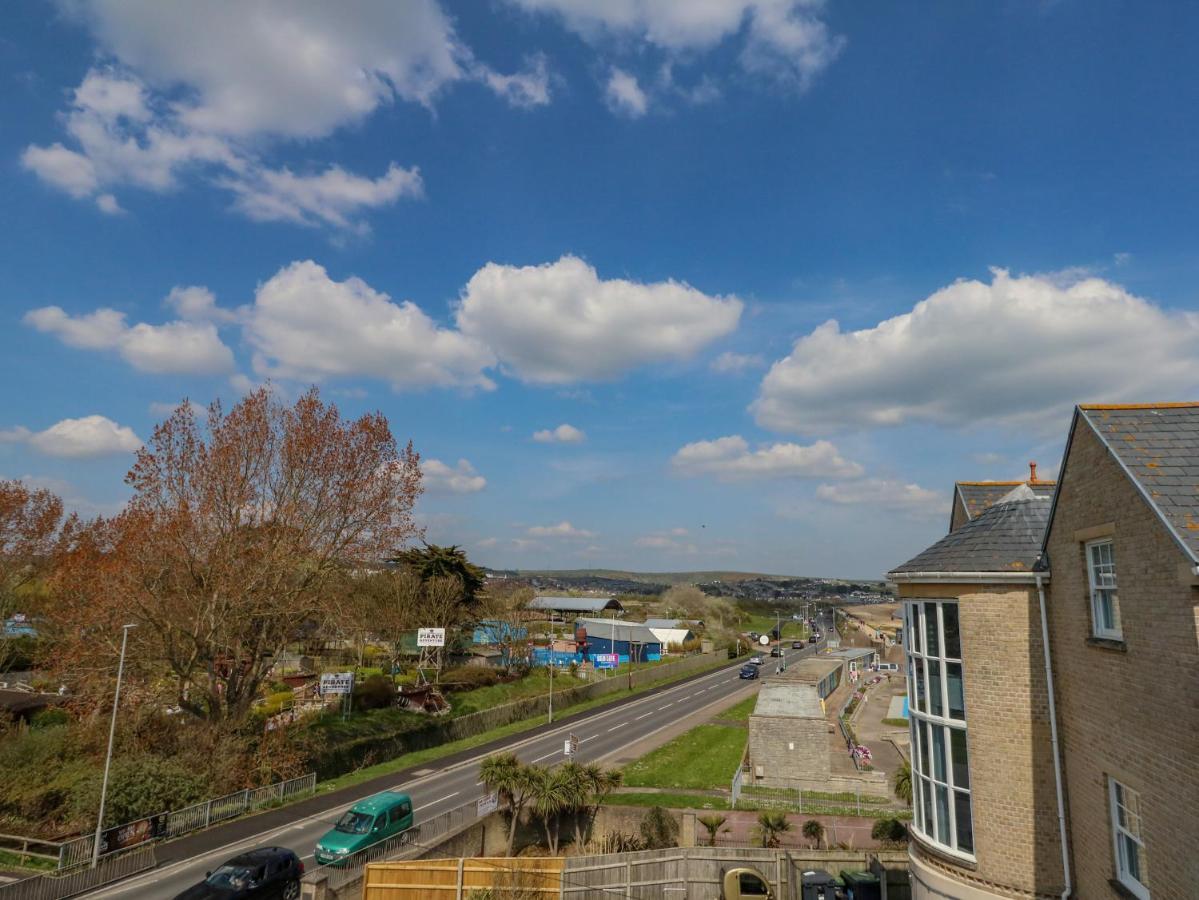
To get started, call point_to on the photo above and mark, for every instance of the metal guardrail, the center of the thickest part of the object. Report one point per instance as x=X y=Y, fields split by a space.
x=69 y=883
x=191 y=818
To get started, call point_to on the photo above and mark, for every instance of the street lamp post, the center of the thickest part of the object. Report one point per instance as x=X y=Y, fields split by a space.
x=552 y=630
x=112 y=730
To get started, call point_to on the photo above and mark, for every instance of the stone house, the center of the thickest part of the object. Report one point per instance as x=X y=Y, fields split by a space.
x=1053 y=648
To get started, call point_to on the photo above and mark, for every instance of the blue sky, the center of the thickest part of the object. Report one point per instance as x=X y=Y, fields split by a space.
x=785 y=269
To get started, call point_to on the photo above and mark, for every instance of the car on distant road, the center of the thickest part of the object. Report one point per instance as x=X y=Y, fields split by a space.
x=813 y=638
x=756 y=661
x=366 y=823
x=797 y=645
x=777 y=651
x=749 y=671
x=268 y=872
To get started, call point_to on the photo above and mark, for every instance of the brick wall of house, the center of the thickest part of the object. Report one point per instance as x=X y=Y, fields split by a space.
x=1132 y=714
x=1011 y=764
x=770 y=738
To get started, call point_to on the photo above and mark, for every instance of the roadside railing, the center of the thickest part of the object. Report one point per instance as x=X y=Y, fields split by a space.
x=80 y=878
x=30 y=847
x=175 y=823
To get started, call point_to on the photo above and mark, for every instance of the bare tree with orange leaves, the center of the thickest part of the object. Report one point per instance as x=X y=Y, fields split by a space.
x=233 y=535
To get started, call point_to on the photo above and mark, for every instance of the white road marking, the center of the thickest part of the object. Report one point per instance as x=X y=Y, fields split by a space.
x=667 y=706
x=639 y=718
x=435 y=802
x=614 y=727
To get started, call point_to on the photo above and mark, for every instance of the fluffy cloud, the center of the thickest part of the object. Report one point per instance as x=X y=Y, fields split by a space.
x=307 y=326
x=668 y=541
x=730 y=459
x=735 y=363
x=561 y=530
x=624 y=95
x=782 y=39
x=1020 y=350
x=881 y=493
x=563 y=434
x=207 y=86
x=180 y=347
x=440 y=478
x=560 y=323
x=83 y=438
x=333 y=197
x=197 y=304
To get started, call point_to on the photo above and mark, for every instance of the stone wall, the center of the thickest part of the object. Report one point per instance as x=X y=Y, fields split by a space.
x=1127 y=711
x=786 y=746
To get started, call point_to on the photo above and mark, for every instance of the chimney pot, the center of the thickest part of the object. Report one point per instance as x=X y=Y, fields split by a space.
x=1032 y=472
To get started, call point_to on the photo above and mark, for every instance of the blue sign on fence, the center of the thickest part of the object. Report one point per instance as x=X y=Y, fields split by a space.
x=605 y=660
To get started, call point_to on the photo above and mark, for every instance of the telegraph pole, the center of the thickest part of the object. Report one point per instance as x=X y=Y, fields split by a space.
x=112 y=730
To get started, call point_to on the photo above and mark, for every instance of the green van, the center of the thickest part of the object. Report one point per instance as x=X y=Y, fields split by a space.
x=365 y=824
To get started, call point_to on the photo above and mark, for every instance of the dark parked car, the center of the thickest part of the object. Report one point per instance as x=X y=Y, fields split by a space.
x=749 y=671
x=269 y=873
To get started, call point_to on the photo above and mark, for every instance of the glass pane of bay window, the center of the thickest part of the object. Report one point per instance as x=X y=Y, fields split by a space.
x=961 y=808
x=953 y=638
x=942 y=799
x=938 y=771
x=957 y=703
x=961 y=764
x=934 y=688
x=931 y=644
x=921 y=702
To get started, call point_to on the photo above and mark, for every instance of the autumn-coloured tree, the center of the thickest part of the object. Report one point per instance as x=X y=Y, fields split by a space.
x=29 y=524
x=506 y=605
x=232 y=538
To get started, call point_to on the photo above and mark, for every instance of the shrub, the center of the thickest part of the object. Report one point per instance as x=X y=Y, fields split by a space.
x=49 y=718
x=902 y=782
x=659 y=829
x=376 y=692
x=139 y=786
x=616 y=842
x=889 y=831
x=468 y=678
x=814 y=832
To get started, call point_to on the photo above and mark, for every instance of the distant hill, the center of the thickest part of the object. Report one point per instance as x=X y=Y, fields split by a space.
x=667 y=578
x=742 y=585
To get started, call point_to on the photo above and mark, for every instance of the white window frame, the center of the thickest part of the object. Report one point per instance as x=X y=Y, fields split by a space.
x=1099 y=590
x=1123 y=874
x=922 y=723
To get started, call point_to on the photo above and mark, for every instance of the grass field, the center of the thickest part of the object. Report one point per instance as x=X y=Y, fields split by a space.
x=704 y=757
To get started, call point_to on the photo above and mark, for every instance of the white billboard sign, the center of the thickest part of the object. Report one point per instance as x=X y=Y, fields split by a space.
x=430 y=637
x=487 y=804
x=337 y=683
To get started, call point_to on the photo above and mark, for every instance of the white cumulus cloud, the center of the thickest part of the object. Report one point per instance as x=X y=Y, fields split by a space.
x=624 y=95
x=881 y=493
x=83 y=438
x=179 y=347
x=731 y=459
x=784 y=40
x=1019 y=350
x=563 y=434
x=209 y=86
x=560 y=323
x=561 y=530
x=305 y=325
x=439 y=478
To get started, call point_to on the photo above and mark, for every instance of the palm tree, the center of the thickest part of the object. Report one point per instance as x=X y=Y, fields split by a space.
x=814 y=832
x=598 y=783
x=713 y=823
x=902 y=782
x=551 y=792
x=510 y=778
x=771 y=826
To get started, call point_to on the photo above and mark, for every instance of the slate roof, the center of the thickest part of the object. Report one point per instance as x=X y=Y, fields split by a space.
x=980 y=495
x=1006 y=537
x=576 y=604
x=1158 y=445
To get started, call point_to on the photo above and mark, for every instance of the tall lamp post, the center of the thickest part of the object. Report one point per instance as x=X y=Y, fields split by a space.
x=112 y=730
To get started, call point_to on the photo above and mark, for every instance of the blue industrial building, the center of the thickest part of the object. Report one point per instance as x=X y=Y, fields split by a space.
x=628 y=640
x=490 y=631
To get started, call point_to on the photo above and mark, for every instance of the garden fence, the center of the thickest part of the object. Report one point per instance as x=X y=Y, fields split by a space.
x=181 y=821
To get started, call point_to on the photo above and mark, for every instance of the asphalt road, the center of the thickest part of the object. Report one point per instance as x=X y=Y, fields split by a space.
x=441 y=786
